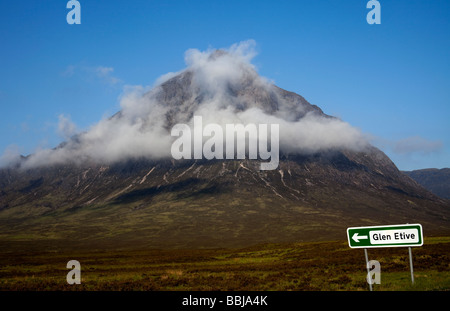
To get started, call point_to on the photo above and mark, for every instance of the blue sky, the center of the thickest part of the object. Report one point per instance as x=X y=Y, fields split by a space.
x=392 y=81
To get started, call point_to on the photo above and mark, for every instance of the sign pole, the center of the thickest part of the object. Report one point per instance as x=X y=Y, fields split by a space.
x=368 y=270
x=407 y=235
x=411 y=265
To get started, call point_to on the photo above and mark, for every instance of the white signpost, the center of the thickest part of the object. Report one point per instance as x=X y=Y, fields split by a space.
x=407 y=235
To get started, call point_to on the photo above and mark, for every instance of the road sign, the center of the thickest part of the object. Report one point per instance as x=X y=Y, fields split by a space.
x=385 y=236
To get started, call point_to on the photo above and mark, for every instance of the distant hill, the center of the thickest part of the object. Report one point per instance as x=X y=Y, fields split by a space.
x=433 y=179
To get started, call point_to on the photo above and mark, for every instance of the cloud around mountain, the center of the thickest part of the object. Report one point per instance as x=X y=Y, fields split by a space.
x=224 y=87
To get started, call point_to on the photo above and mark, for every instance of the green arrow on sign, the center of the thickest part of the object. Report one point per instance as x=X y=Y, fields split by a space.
x=385 y=236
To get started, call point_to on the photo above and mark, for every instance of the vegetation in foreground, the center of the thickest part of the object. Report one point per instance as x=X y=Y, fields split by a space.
x=330 y=266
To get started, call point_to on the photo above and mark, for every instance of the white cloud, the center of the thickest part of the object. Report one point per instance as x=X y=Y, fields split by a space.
x=416 y=144
x=10 y=156
x=101 y=73
x=106 y=74
x=69 y=71
x=140 y=130
x=165 y=77
x=66 y=128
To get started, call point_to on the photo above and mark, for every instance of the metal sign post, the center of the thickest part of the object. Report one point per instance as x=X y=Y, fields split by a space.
x=411 y=265
x=408 y=235
x=368 y=269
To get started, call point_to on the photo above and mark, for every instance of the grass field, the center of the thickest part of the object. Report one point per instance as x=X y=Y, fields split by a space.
x=330 y=266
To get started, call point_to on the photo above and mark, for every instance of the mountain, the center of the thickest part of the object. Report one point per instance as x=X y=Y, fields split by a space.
x=433 y=179
x=100 y=189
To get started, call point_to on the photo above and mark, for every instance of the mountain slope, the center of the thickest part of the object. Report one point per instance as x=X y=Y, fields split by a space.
x=433 y=179
x=116 y=185
x=212 y=203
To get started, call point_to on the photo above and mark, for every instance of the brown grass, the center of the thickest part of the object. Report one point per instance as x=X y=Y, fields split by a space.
x=278 y=267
